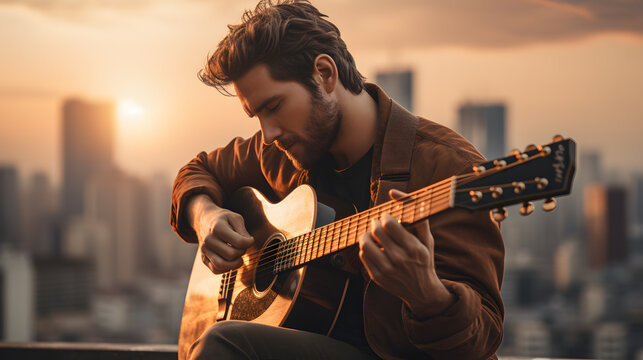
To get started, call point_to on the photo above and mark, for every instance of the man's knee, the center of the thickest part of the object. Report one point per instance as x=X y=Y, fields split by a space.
x=221 y=338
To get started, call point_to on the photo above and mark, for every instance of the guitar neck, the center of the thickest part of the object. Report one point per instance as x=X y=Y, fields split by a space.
x=341 y=234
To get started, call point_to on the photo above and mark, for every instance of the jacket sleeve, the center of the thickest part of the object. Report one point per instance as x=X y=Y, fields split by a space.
x=469 y=260
x=216 y=174
x=469 y=257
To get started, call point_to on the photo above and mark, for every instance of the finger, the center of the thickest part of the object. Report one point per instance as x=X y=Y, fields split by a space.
x=423 y=230
x=396 y=194
x=219 y=264
x=407 y=241
x=238 y=224
x=224 y=231
x=391 y=249
x=222 y=248
x=372 y=257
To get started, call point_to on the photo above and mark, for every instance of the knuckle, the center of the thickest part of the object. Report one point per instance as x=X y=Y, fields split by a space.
x=386 y=268
x=389 y=221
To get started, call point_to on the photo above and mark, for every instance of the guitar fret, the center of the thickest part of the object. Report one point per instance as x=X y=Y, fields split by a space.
x=317 y=242
x=302 y=254
x=324 y=239
x=308 y=248
x=334 y=244
x=343 y=236
x=293 y=253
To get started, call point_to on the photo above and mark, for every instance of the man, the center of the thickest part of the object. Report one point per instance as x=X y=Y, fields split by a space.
x=435 y=288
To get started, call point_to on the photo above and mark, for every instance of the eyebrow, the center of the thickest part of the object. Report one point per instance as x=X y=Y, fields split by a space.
x=260 y=108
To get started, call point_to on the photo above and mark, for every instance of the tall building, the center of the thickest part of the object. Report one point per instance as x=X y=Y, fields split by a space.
x=398 y=85
x=63 y=285
x=484 y=126
x=9 y=207
x=171 y=255
x=121 y=204
x=16 y=296
x=40 y=215
x=88 y=146
x=605 y=225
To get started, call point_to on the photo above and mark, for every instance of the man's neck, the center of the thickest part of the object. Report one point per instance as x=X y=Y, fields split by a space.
x=358 y=128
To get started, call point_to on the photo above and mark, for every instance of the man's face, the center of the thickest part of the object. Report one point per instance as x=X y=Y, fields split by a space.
x=302 y=125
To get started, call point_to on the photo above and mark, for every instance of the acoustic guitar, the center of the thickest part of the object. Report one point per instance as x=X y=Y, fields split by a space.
x=287 y=279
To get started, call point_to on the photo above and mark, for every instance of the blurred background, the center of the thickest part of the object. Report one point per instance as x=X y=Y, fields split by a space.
x=100 y=106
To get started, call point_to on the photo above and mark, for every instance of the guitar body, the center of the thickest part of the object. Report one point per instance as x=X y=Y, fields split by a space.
x=306 y=298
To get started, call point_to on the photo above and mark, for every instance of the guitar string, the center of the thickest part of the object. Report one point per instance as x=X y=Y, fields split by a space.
x=296 y=245
x=404 y=201
x=288 y=246
x=359 y=220
x=285 y=250
x=294 y=249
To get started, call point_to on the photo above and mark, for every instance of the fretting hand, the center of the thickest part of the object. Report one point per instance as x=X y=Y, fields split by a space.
x=403 y=263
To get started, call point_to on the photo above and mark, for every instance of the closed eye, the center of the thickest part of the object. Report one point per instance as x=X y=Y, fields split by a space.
x=272 y=108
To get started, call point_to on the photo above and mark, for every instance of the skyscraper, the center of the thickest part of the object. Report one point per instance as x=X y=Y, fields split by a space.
x=9 y=207
x=398 y=85
x=121 y=204
x=40 y=216
x=88 y=146
x=484 y=126
x=605 y=225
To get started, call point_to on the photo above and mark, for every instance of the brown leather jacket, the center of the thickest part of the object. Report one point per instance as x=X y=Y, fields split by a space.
x=469 y=251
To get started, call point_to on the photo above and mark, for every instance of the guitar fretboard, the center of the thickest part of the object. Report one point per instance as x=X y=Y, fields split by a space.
x=341 y=234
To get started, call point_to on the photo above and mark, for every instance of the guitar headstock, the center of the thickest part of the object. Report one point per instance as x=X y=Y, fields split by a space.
x=540 y=172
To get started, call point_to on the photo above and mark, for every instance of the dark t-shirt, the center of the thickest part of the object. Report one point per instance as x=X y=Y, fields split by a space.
x=351 y=185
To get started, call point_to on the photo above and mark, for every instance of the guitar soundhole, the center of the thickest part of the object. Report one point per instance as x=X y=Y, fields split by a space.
x=264 y=275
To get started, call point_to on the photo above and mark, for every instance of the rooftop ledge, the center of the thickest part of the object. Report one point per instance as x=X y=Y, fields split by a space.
x=89 y=351
x=103 y=351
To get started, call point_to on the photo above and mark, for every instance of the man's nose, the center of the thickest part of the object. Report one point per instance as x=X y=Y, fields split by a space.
x=270 y=130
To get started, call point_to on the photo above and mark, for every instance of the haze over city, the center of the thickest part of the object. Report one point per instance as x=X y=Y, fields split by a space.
x=561 y=67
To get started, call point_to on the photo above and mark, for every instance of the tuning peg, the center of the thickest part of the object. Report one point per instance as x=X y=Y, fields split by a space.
x=526 y=208
x=479 y=169
x=558 y=138
x=541 y=183
x=515 y=152
x=496 y=191
x=499 y=214
x=549 y=204
x=519 y=186
x=475 y=195
x=531 y=147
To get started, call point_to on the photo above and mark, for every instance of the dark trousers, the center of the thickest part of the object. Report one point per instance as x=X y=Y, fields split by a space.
x=246 y=340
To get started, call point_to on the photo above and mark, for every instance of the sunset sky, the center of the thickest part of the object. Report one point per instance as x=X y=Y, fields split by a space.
x=572 y=67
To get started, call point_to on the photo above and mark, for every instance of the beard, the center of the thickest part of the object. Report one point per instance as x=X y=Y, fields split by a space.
x=319 y=134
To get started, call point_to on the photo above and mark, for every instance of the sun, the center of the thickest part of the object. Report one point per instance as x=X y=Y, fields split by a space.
x=131 y=116
x=128 y=109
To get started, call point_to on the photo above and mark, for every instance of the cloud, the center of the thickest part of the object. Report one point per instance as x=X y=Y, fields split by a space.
x=418 y=23
x=475 y=23
x=71 y=8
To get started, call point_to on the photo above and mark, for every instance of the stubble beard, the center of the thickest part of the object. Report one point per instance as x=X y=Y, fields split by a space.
x=320 y=133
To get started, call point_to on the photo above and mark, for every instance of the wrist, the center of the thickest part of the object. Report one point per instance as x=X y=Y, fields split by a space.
x=436 y=301
x=197 y=205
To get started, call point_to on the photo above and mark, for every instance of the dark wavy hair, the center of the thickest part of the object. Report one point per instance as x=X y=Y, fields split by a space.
x=287 y=36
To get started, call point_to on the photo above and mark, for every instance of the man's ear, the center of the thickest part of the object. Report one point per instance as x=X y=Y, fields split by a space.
x=325 y=72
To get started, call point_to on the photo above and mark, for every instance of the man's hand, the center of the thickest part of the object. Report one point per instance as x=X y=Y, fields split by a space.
x=222 y=234
x=403 y=264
